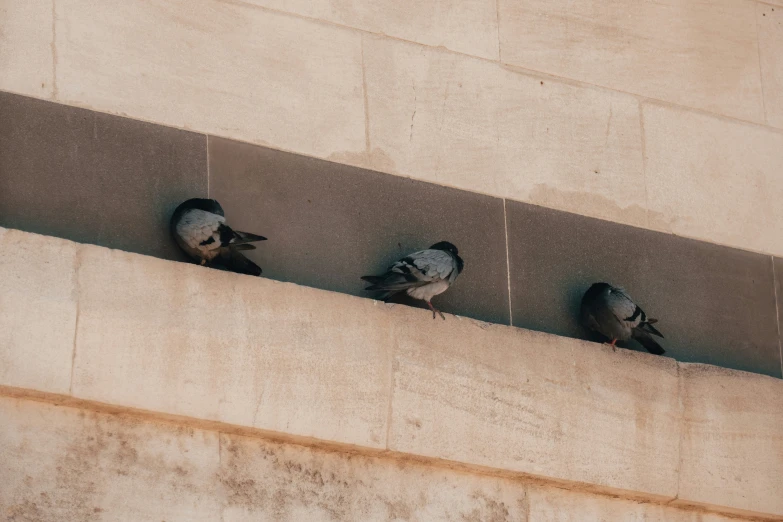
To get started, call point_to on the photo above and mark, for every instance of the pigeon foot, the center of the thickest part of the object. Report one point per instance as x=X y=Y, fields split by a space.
x=435 y=310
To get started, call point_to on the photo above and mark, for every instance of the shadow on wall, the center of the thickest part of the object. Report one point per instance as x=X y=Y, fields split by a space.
x=112 y=181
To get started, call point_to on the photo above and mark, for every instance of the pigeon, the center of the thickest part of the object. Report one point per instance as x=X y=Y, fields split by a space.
x=422 y=275
x=199 y=228
x=609 y=311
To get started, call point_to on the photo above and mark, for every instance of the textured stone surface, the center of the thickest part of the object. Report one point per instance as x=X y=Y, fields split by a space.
x=701 y=54
x=732 y=446
x=69 y=464
x=219 y=67
x=468 y=26
x=328 y=224
x=770 y=27
x=188 y=340
x=95 y=178
x=536 y=403
x=475 y=125
x=38 y=309
x=26 y=58
x=558 y=505
x=714 y=179
x=266 y=481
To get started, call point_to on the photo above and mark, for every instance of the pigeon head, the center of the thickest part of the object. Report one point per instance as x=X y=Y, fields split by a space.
x=595 y=291
x=445 y=246
x=451 y=249
x=207 y=205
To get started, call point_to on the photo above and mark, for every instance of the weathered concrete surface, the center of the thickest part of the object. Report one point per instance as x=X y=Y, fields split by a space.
x=264 y=76
x=67 y=464
x=263 y=480
x=343 y=372
x=38 y=307
x=714 y=179
x=187 y=340
x=62 y=463
x=769 y=20
x=26 y=58
x=468 y=26
x=559 y=505
x=699 y=54
x=475 y=125
x=536 y=403
x=732 y=445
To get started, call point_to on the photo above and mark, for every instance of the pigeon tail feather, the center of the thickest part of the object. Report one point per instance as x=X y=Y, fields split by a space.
x=647 y=341
x=391 y=282
x=246 y=237
x=238 y=263
x=385 y=296
x=651 y=329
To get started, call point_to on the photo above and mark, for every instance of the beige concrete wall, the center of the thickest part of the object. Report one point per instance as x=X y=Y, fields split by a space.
x=666 y=115
x=133 y=333
x=63 y=463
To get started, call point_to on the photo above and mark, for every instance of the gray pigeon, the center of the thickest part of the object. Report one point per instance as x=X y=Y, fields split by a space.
x=199 y=228
x=422 y=275
x=609 y=311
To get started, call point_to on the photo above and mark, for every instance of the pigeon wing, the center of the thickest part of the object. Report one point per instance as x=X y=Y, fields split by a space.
x=417 y=269
x=622 y=306
x=434 y=265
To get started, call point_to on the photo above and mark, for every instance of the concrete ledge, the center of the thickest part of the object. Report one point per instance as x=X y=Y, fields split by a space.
x=185 y=340
x=535 y=403
x=188 y=341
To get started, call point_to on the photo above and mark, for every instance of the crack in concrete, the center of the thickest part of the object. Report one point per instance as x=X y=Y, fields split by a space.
x=77 y=263
x=681 y=401
x=415 y=107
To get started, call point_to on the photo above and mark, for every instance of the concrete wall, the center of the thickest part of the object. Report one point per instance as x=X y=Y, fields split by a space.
x=486 y=409
x=134 y=388
x=84 y=470
x=663 y=115
x=97 y=466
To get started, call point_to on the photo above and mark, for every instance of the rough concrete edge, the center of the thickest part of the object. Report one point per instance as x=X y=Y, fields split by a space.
x=347 y=449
